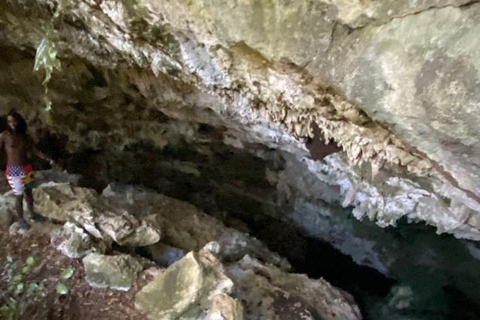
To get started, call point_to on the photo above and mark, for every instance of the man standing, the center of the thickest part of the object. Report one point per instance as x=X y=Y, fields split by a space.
x=19 y=173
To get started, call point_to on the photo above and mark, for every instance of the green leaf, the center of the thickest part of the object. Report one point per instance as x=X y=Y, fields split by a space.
x=62 y=289
x=31 y=261
x=19 y=288
x=67 y=273
x=33 y=287
x=9 y=259
x=18 y=278
x=26 y=269
x=11 y=266
x=46 y=56
x=39 y=58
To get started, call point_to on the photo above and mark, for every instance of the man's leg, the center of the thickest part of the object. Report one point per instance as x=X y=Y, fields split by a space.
x=19 y=209
x=16 y=183
x=30 y=205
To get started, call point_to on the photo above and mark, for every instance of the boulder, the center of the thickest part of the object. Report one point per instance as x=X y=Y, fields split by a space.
x=143 y=235
x=270 y=293
x=103 y=220
x=116 y=272
x=200 y=287
x=15 y=229
x=74 y=242
x=185 y=289
x=186 y=227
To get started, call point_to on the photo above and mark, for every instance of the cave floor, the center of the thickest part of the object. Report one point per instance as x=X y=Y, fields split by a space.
x=81 y=301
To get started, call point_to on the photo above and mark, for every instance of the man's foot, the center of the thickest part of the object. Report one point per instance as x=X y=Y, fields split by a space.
x=37 y=218
x=23 y=225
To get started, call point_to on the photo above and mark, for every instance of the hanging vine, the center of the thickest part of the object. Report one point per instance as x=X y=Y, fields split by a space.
x=46 y=56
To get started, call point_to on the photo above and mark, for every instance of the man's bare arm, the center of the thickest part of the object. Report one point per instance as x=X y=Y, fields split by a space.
x=33 y=148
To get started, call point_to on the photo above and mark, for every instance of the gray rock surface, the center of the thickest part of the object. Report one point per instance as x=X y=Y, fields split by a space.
x=186 y=227
x=199 y=286
x=74 y=242
x=418 y=76
x=63 y=202
x=117 y=272
x=270 y=293
x=6 y=214
x=225 y=307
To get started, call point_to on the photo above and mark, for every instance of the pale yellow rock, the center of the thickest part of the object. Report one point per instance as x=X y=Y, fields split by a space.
x=185 y=287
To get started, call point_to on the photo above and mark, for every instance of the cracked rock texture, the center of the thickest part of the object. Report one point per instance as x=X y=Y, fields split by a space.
x=186 y=227
x=74 y=242
x=200 y=287
x=288 y=296
x=63 y=202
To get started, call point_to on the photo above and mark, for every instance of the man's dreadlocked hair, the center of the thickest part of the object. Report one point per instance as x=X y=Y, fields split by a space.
x=21 y=123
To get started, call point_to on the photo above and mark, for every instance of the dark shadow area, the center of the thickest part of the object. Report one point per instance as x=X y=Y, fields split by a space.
x=460 y=306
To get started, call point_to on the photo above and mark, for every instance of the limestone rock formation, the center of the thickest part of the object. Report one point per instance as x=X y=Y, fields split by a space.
x=270 y=293
x=117 y=272
x=185 y=289
x=74 y=242
x=63 y=202
x=200 y=287
x=212 y=102
x=184 y=226
x=7 y=205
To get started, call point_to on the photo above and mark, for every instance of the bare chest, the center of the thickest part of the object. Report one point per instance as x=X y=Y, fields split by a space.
x=15 y=145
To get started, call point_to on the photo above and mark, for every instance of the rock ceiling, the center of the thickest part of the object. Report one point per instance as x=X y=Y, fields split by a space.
x=394 y=84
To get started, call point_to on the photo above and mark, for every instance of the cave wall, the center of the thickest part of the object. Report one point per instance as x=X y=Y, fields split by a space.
x=213 y=101
x=411 y=66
